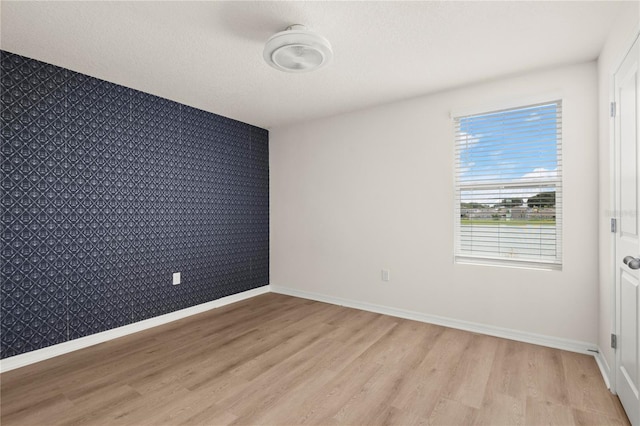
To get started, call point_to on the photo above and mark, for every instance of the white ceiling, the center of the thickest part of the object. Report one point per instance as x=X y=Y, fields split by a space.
x=209 y=54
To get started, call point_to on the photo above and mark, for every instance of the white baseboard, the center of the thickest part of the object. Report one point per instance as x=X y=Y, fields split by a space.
x=604 y=368
x=93 y=339
x=521 y=336
x=22 y=360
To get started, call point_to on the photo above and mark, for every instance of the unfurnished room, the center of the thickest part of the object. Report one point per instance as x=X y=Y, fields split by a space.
x=320 y=213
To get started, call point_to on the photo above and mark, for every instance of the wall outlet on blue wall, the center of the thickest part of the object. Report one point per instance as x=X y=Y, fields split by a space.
x=176 y=278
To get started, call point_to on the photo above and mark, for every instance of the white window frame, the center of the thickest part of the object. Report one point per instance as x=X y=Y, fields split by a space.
x=461 y=258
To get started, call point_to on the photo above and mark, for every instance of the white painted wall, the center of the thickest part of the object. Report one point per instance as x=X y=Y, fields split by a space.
x=618 y=42
x=373 y=189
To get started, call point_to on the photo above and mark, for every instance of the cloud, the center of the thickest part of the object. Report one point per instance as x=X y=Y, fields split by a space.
x=538 y=174
x=495 y=195
x=467 y=140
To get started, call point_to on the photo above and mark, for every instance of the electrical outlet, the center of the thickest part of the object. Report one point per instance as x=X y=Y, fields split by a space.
x=176 y=278
x=385 y=275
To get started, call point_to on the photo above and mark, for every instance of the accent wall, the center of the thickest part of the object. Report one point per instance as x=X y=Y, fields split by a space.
x=107 y=191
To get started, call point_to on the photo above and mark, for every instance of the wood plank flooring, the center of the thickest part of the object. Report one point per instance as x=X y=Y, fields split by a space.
x=280 y=360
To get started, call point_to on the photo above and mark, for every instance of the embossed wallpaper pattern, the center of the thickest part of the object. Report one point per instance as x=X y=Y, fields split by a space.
x=106 y=191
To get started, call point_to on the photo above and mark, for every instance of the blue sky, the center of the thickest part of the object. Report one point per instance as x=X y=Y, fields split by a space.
x=510 y=146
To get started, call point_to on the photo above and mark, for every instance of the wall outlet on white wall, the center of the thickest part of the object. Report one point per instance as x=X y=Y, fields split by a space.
x=385 y=275
x=176 y=278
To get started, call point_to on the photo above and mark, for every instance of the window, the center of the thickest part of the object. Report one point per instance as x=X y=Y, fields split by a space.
x=508 y=177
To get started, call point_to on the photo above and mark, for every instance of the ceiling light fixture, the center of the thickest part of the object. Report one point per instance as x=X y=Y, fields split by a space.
x=297 y=49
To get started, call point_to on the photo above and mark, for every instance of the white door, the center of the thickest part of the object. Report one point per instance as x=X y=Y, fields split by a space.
x=627 y=96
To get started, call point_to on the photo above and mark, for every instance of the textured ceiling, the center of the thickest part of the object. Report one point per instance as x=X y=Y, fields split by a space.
x=209 y=54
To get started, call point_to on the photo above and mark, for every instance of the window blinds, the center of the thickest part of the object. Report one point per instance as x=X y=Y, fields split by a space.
x=508 y=177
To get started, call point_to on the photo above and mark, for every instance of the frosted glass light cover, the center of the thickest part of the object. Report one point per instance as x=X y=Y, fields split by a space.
x=297 y=57
x=297 y=50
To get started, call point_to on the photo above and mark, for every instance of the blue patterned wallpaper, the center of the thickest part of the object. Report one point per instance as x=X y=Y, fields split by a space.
x=106 y=191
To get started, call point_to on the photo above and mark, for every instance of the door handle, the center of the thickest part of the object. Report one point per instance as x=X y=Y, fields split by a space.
x=631 y=262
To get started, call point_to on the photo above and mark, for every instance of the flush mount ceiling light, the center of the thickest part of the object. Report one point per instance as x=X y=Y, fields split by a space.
x=297 y=49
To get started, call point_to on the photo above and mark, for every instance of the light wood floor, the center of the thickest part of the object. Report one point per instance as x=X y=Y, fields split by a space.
x=277 y=360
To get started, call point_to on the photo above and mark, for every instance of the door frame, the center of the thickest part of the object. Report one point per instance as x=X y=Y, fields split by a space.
x=613 y=206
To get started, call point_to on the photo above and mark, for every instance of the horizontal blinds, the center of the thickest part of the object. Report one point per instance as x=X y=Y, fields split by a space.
x=508 y=175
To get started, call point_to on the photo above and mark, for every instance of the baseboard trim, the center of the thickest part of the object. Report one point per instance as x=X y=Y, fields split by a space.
x=22 y=360
x=521 y=336
x=604 y=367
x=32 y=357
